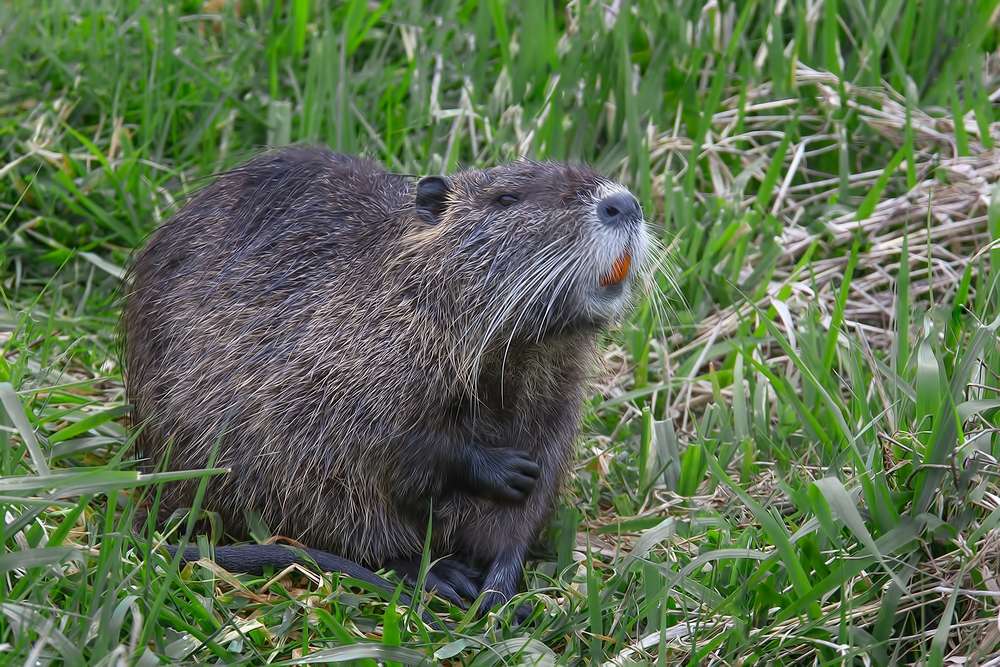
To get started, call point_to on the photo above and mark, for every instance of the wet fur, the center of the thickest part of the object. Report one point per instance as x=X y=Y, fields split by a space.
x=368 y=351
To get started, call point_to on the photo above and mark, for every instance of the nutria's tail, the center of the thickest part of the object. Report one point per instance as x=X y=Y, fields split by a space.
x=253 y=558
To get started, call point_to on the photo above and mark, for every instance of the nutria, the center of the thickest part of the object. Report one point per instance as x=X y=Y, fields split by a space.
x=364 y=348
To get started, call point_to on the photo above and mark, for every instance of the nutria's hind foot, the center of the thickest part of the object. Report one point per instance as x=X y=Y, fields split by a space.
x=493 y=600
x=522 y=613
x=253 y=558
x=499 y=474
x=502 y=582
x=449 y=579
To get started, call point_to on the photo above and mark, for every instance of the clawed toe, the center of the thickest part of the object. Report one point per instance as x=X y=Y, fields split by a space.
x=523 y=613
x=442 y=589
x=462 y=578
x=449 y=579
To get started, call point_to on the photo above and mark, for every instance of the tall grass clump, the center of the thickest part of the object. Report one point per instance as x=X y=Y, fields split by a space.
x=790 y=456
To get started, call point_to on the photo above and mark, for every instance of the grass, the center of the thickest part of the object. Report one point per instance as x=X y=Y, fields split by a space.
x=799 y=466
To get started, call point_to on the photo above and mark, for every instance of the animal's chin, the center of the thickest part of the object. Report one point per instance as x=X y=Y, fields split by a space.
x=585 y=313
x=610 y=304
x=602 y=308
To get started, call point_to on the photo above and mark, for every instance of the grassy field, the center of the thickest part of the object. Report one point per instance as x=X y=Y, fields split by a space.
x=792 y=455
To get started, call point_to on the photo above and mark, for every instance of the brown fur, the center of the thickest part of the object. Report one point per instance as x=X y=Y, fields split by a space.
x=354 y=339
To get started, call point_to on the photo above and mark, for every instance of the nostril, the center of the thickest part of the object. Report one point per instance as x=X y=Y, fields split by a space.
x=616 y=208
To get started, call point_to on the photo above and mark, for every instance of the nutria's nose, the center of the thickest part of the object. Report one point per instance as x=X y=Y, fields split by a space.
x=615 y=209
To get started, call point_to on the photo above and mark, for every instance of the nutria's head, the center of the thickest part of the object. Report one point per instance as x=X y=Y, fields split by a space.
x=524 y=251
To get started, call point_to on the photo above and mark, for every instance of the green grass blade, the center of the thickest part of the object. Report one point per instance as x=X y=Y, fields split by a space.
x=15 y=411
x=777 y=534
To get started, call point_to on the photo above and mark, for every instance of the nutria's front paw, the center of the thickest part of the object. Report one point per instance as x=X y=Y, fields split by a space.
x=512 y=476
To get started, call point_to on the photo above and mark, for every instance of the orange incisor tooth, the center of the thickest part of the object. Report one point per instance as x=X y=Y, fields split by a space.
x=618 y=270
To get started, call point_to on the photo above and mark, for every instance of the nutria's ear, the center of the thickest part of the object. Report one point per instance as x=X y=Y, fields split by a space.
x=432 y=193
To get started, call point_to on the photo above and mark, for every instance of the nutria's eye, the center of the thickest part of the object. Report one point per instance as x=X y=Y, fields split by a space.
x=506 y=200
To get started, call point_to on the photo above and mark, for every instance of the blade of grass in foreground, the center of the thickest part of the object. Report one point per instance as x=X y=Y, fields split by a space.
x=940 y=641
x=837 y=316
x=388 y=654
x=12 y=405
x=833 y=407
x=944 y=437
x=777 y=534
x=594 y=606
x=846 y=510
x=29 y=620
